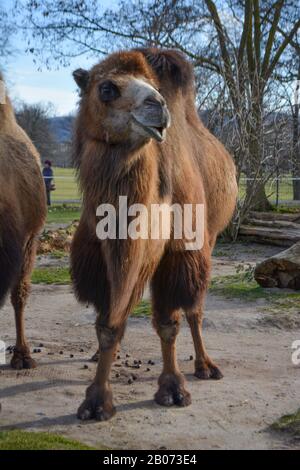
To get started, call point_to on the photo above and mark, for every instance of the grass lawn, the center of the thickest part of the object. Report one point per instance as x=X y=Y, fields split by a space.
x=67 y=188
x=237 y=286
x=67 y=213
x=231 y=286
x=285 y=190
x=66 y=185
x=61 y=275
x=241 y=287
x=23 y=440
x=283 y=209
x=289 y=424
x=143 y=309
x=281 y=308
x=51 y=275
x=63 y=214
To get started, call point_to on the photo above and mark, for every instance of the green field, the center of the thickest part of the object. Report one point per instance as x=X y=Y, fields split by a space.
x=23 y=440
x=285 y=190
x=288 y=424
x=66 y=185
x=67 y=189
x=51 y=275
x=61 y=275
x=64 y=213
x=66 y=198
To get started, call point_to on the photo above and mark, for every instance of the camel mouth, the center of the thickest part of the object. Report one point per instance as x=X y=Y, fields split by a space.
x=156 y=132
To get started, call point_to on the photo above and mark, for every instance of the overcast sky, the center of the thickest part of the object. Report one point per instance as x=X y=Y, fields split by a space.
x=27 y=83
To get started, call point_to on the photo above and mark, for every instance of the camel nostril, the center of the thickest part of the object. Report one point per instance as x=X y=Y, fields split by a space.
x=152 y=101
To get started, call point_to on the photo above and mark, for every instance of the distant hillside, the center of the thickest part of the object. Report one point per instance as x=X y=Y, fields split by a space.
x=61 y=128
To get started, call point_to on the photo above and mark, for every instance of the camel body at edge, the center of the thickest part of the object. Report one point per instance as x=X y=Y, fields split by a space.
x=22 y=216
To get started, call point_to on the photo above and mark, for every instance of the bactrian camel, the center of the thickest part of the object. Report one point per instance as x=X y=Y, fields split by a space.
x=138 y=134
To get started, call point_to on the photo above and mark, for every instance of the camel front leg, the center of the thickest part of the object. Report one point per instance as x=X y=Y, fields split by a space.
x=95 y=357
x=98 y=403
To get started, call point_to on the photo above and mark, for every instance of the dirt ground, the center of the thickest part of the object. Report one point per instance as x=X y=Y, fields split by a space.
x=260 y=382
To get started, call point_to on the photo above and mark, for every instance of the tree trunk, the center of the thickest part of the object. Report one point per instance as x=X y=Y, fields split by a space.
x=255 y=190
x=282 y=270
x=296 y=186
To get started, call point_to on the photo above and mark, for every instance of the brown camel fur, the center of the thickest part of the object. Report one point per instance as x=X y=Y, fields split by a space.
x=22 y=215
x=125 y=145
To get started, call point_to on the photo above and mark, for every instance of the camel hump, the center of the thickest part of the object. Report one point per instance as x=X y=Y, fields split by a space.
x=171 y=65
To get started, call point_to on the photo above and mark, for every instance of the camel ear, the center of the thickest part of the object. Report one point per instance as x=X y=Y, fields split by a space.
x=81 y=77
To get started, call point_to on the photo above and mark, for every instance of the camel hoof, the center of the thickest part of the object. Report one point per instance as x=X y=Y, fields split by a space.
x=96 y=406
x=22 y=360
x=88 y=411
x=208 y=372
x=172 y=391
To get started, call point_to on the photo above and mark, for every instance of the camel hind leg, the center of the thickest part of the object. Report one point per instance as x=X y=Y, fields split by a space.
x=184 y=276
x=21 y=358
x=171 y=382
x=205 y=368
x=173 y=286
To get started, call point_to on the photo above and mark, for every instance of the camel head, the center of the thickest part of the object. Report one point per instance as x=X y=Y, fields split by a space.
x=121 y=102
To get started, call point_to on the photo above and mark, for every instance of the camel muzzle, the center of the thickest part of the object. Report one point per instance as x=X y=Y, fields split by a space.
x=153 y=118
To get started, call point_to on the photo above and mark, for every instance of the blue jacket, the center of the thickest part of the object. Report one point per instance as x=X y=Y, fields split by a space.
x=48 y=177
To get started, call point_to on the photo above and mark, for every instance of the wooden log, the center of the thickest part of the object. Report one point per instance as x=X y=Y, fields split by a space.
x=283 y=237
x=273 y=223
x=267 y=241
x=275 y=216
x=281 y=270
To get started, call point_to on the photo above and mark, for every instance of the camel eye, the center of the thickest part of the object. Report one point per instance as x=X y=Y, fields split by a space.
x=108 y=91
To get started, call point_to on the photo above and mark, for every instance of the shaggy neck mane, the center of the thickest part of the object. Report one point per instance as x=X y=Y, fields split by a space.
x=106 y=171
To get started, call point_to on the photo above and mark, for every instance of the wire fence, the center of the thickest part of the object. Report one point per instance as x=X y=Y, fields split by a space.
x=279 y=190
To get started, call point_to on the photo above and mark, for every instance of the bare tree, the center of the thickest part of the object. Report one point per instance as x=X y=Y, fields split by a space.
x=34 y=120
x=288 y=76
x=241 y=42
x=7 y=28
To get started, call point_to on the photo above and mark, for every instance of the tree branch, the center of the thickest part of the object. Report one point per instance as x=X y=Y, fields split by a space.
x=281 y=50
x=257 y=32
x=270 y=42
x=224 y=52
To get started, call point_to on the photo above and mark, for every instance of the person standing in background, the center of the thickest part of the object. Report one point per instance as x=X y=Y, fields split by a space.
x=48 y=178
